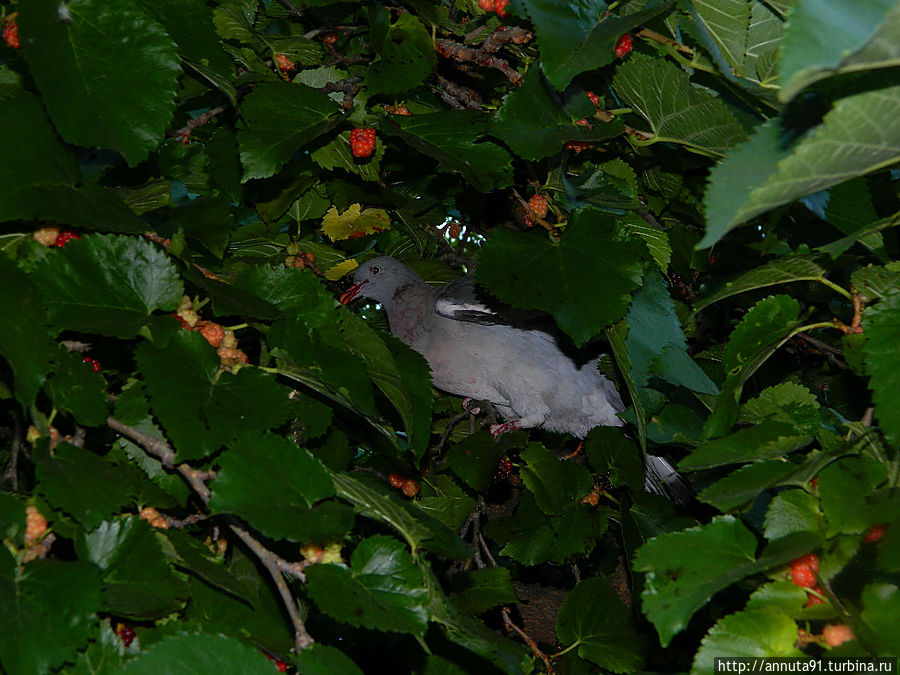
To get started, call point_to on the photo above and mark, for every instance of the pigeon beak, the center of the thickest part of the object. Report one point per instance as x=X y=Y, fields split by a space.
x=351 y=293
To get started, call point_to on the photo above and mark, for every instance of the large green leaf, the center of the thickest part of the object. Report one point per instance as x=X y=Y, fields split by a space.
x=107 y=284
x=883 y=361
x=727 y=22
x=859 y=135
x=556 y=484
x=533 y=123
x=281 y=118
x=40 y=630
x=200 y=654
x=608 y=637
x=383 y=589
x=528 y=271
x=760 y=632
x=452 y=138
x=406 y=54
x=75 y=387
x=107 y=72
x=766 y=440
x=830 y=37
x=678 y=112
x=577 y=36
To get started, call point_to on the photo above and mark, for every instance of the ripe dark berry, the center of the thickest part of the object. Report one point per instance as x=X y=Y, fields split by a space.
x=875 y=533
x=624 y=45
x=126 y=635
x=11 y=34
x=503 y=471
x=95 y=364
x=65 y=237
x=362 y=142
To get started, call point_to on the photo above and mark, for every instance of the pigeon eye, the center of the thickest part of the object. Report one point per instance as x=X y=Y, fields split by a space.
x=375 y=269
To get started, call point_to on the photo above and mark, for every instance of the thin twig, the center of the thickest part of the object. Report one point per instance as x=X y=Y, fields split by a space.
x=663 y=40
x=510 y=625
x=184 y=133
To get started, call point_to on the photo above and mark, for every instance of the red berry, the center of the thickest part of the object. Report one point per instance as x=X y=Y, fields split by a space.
x=65 y=237
x=329 y=39
x=281 y=666
x=810 y=560
x=213 y=332
x=593 y=97
x=486 y=5
x=538 y=204
x=410 y=488
x=362 y=142
x=815 y=599
x=624 y=45
x=584 y=123
x=126 y=635
x=284 y=63
x=803 y=576
x=503 y=471
x=875 y=533
x=836 y=634
x=95 y=364
x=500 y=7
x=11 y=34
x=396 y=480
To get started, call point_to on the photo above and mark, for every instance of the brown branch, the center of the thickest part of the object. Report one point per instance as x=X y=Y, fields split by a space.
x=457 y=96
x=510 y=625
x=502 y=36
x=154 y=446
x=184 y=133
x=663 y=40
x=458 y=52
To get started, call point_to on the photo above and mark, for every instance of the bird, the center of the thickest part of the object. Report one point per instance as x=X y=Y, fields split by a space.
x=479 y=350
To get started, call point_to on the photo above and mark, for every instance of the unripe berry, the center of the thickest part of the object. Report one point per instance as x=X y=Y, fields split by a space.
x=410 y=488
x=836 y=634
x=35 y=525
x=46 y=236
x=213 y=332
x=538 y=204
x=284 y=64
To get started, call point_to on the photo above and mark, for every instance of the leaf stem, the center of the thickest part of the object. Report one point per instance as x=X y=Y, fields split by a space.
x=836 y=288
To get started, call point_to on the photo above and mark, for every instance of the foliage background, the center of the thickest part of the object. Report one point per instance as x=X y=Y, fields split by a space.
x=722 y=226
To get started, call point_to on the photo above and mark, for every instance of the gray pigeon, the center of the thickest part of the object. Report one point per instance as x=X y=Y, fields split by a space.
x=476 y=352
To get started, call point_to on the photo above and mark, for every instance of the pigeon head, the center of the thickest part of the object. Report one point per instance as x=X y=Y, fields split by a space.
x=379 y=279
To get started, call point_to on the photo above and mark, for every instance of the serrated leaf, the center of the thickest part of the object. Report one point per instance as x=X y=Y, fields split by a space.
x=272 y=484
x=882 y=363
x=577 y=36
x=406 y=54
x=766 y=440
x=319 y=659
x=137 y=580
x=656 y=240
x=679 y=582
x=534 y=125
x=474 y=459
x=727 y=22
x=743 y=486
x=843 y=488
x=75 y=387
x=24 y=342
x=281 y=118
x=199 y=654
x=608 y=638
x=201 y=408
x=764 y=35
x=354 y=222
x=341 y=270
x=857 y=136
x=107 y=284
x=786 y=402
x=382 y=590
x=589 y=249
x=293 y=291
x=86 y=67
x=677 y=112
x=452 y=138
x=610 y=452
x=191 y=555
x=446 y=501
x=825 y=38
x=479 y=590
x=40 y=632
x=556 y=484
x=779 y=271
x=792 y=511
x=873 y=282
x=762 y=632
x=880 y=602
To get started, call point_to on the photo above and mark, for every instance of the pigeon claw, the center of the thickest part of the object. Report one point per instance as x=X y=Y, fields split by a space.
x=475 y=410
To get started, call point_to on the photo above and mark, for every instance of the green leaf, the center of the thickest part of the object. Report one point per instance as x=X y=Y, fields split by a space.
x=727 y=22
x=792 y=511
x=319 y=659
x=611 y=453
x=24 y=342
x=534 y=125
x=448 y=502
x=86 y=65
x=824 y=38
x=406 y=54
x=743 y=486
x=577 y=36
x=556 y=484
x=107 y=284
x=843 y=488
x=875 y=282
x=200 y=654
x=679 y=582
x=77 y=388
x=137 y=580
x=607 y=638
x=272 y=484
x=656 y=343
x=281 y=119
x=383 y=589
x=882 y=361
x=191 y=555
x=41 y=632
x=760 y=632
x=880 y=602
x=857 y=136
x=202 y=408
x=766 y=440
x=293 y=291
x=451 y=137
x=617 y=336
x=508 y=262
x=779 y=271
x=786 y=402
x=479 y=590
x=337 y=154
x=61 y=479
x=677 y=111
x=474 y=459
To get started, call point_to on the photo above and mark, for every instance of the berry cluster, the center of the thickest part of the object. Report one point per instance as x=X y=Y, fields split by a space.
x=362 y=141
x=803 y=573
x=624 y=45
x=11 y=34
x=222 y=339
x=537 y=206
x=53 y=236
x=301 y=260
x=285 y=65
x=498 y=6
x=503 y=471
x=407 y=486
